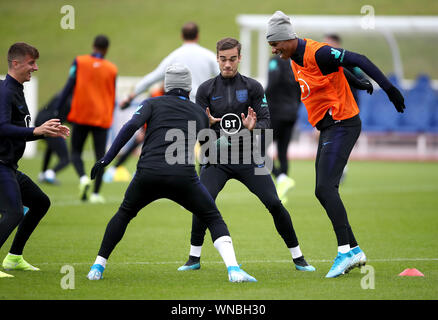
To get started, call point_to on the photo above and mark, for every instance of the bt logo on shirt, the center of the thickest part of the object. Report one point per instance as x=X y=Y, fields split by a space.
x=230 y=123
x=305 y=88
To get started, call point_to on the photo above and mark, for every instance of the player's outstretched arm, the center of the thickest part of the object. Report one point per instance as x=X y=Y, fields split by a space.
x=122 y=138
x=141 y=115
x=329 y=58
x=361 y=61
x=148 y=80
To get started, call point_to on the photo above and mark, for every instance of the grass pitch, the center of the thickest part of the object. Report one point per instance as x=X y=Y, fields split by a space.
x=392 y=209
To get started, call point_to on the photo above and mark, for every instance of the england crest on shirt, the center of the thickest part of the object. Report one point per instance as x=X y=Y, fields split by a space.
x=242 y=95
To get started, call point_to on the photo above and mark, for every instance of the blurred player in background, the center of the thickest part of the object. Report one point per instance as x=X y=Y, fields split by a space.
x=232 y=93
x=16 y=188
x=331 y=108
x=55 y=145
x=92 y=82
x=156 y=178
x=283 y=94
x=200 y=61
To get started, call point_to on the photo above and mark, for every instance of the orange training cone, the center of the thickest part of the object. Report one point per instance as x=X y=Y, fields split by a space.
x=411 y=273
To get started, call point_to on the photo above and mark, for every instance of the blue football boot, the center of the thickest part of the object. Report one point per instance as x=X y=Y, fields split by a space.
x=96 y=272
x=194 y=263
x=235 y=274
x=359 y=259
x=302 y=265
x=341 y=264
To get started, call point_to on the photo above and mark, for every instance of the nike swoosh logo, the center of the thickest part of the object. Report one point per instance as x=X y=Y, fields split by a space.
x=325 y=143
x=216 y=98
x=138 y=109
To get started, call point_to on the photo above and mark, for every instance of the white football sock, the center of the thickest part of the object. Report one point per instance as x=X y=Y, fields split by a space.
x=225 y=247
x=84 y=179
x=100 y=260
x=344 y=249
x=295 y=252
x=281 y=177
x=50 y=174
x=14 y=255
x=195 y=251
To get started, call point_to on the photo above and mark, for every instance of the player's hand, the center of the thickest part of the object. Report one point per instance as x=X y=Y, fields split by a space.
x=126 y=102
x=212 y=119
x=52 y=128
x=64 y=131
x=98 y=168
x=368 y=86
x=396 y=98
x=250 y=120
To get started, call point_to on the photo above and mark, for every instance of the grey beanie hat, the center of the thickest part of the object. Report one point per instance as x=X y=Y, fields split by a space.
x=177 y=76
x=280 y=28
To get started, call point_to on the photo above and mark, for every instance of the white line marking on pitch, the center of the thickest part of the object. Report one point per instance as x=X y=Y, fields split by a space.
x=73 y=201
x=244 y=262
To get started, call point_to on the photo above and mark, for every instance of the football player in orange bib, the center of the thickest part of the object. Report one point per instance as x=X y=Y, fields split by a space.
x=92 y=81
x=331 y=108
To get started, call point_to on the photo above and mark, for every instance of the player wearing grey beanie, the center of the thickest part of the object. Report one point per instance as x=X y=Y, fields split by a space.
x=177 y=76
x=331 y=109
x=280 y=28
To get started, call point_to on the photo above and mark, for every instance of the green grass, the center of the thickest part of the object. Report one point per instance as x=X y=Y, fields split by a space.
x=392 y=209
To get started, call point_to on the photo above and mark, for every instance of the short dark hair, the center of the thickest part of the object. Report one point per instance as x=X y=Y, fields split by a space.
x=20 y=50
x=228 y=43
x=190 y=31
x=101 y=42
x=334 y=37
